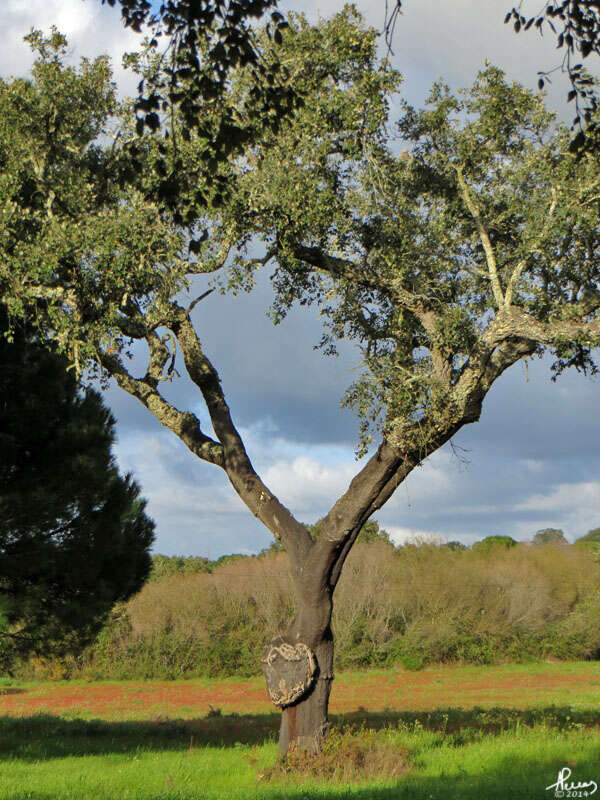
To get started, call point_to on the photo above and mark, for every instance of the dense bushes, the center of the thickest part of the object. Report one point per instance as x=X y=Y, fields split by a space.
x=411 y=605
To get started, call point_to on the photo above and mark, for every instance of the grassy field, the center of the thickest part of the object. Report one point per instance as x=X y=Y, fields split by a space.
x=461 y=732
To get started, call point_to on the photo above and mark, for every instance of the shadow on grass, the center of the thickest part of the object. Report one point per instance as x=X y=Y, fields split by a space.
x=44 y=736
x=517 y=778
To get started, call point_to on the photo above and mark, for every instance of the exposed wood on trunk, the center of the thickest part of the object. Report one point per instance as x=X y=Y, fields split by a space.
x=304 y=724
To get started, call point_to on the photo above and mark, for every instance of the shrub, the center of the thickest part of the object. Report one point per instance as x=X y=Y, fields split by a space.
x=591 y=538
x=550 y=536
x=411 y=606
x=492 y=542
x=347 y=755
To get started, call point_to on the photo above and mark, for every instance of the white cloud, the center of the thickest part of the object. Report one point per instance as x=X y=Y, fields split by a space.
x=575 y=505
x=173 y=479
x=91 y=30
x=565 y=495
x=400 y=535
x=307 y=486
x=437 y=502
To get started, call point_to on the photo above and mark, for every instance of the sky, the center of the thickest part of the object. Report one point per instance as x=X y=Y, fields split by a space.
x=531 y=462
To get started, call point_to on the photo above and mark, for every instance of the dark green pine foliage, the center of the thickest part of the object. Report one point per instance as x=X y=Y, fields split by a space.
x=74 y=537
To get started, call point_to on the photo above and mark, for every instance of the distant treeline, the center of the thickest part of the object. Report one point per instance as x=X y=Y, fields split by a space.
x=412 y=605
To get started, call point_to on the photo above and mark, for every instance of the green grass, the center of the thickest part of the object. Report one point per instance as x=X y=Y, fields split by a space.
x=453 y=754
x=492 y=753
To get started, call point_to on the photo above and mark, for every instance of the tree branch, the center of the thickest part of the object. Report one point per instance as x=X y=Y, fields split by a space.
x=469 y=398
x=340 y=527
x=386 y=470
x=185 y=425
x=213 y=265
x=483 y=235
x=197 y=300
x=523 y=325
x=236 y=463
x=348 y=270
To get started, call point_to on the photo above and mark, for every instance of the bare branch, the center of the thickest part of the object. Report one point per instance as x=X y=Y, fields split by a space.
x=525 y=326
x=483 y=235
x=334 y=265
x=185 y=425
x=195 y=302
x=52 y=293
x=348 y=270
x=160 y=355
x=259 y=499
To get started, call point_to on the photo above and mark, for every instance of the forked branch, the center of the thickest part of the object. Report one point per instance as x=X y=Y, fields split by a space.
x=488 y=248
x=185 y=425
x=236 y=462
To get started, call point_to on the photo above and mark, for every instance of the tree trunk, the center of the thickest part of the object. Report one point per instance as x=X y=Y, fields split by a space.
x=304 y=724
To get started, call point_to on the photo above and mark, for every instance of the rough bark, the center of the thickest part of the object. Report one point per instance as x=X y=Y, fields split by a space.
x=304 y=723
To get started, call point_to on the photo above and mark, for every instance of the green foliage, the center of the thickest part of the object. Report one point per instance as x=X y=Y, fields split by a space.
x=493 y=542
x=273 y=548
x=411 y=606
x=74 y=537
x=164 y=566
x=453 y=545
x=576 y=27
x=76 y=245
x=399 y=249
x=417 y=256
x=371 y=532
x=550 y=536
x=208 y=43
x=591 y=536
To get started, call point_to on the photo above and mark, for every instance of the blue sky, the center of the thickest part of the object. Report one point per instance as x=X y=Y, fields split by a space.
x=533 y=458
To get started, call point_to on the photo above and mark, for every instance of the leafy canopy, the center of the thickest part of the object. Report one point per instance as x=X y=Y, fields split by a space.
x=492 y=543
x=445 y=261
x=426 y=256
x=591 y=537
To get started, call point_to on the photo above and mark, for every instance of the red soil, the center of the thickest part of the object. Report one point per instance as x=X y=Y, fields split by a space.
x=430 y=689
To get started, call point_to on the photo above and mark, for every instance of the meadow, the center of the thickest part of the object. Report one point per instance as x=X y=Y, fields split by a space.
x=459 y=674
x=443 y=732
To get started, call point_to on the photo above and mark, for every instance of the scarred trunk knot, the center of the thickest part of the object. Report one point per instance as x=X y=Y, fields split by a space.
x=289 y=671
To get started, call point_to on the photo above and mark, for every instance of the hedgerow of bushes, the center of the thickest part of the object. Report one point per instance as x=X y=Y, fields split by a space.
x=411 y=605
